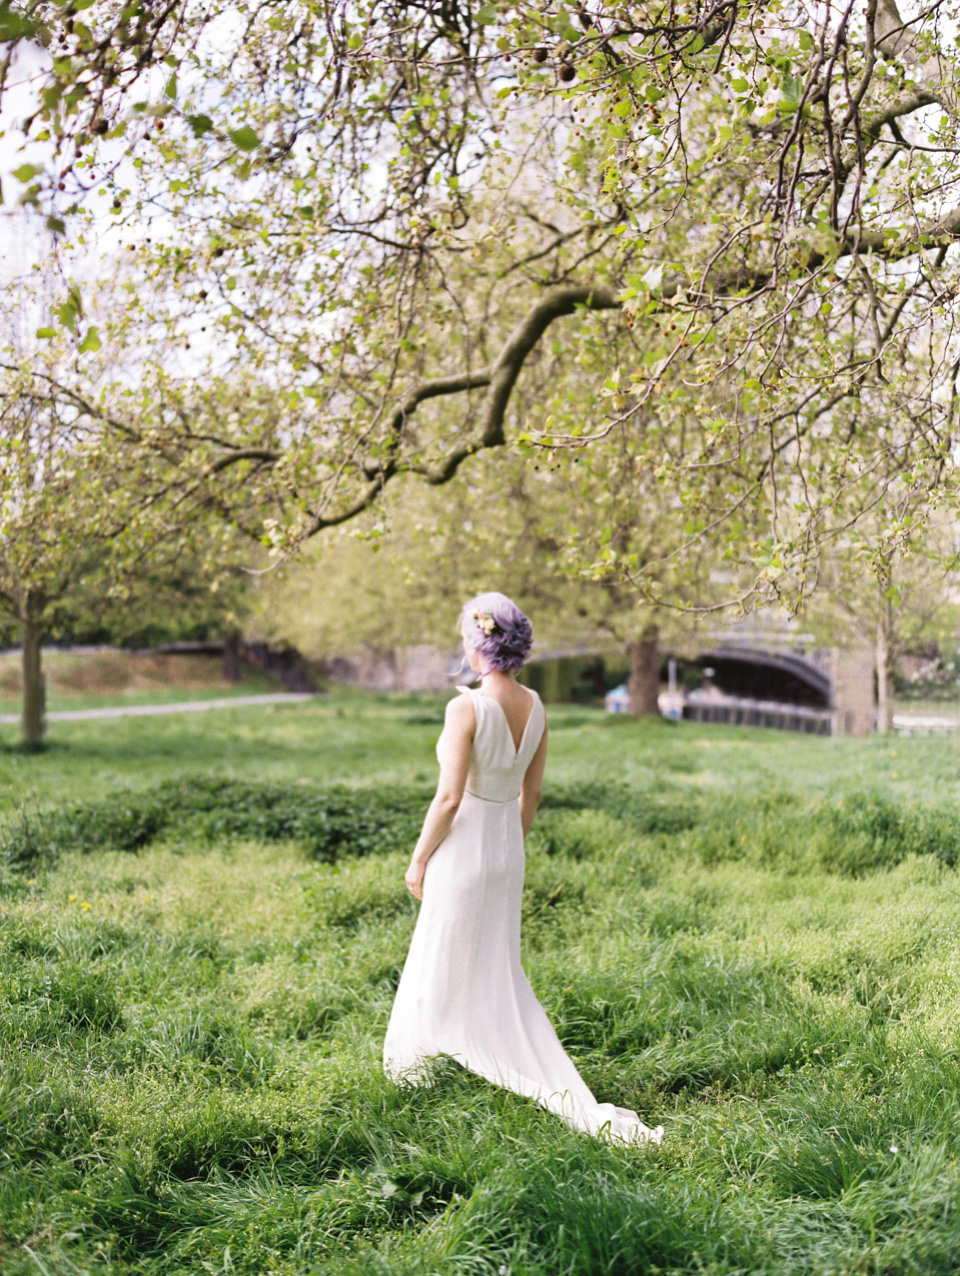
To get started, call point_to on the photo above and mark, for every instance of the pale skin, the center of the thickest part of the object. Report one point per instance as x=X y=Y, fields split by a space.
x=459 y=726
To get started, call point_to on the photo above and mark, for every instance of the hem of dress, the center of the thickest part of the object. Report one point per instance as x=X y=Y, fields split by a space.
x=621 y=1127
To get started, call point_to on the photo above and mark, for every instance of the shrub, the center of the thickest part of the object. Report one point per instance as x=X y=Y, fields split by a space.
x=774 y=828
x=857 y=834
x=330 y=822
x=643 y=812
x=869 y=831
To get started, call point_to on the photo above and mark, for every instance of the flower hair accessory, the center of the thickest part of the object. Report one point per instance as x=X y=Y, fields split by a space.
x=485 y=622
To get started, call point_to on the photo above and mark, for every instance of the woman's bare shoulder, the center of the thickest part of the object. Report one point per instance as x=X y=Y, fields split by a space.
x=460 y=711
x=536 y=701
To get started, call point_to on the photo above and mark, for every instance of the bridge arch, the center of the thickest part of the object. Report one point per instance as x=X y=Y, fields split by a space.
x=752 y=674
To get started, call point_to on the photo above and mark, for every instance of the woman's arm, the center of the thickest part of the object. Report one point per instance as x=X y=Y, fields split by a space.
x=459 y=726
x=533 y=784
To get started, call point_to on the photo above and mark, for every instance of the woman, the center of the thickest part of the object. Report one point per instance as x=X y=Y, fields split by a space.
x=463 y=992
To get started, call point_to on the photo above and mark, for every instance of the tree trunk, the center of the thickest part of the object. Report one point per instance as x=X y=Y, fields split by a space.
x=644 y=683
x=885 y=666
x=232 y=669
x=33 y=718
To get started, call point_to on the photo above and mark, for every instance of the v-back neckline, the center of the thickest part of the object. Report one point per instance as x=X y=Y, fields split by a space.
x=503 y=714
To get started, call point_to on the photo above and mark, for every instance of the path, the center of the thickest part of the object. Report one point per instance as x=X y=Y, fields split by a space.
x=926 y=723
x=152 y=710
x=945 y=721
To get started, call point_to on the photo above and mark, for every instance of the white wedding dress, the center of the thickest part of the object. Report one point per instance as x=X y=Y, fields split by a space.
x=463 y=992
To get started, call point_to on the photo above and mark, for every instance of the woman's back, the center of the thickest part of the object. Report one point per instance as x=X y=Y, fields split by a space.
x=517 y=705
x=499 y=758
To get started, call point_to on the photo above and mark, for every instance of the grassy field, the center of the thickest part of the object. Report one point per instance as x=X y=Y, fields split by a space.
x=750 y=937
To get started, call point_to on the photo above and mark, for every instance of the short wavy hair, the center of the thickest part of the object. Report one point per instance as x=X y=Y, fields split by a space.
x=497 y=630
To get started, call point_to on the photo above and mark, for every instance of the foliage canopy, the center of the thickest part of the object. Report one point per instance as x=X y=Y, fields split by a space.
x=734 y=223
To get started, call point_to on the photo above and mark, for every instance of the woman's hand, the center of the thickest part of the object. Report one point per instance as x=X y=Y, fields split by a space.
x=414 y=879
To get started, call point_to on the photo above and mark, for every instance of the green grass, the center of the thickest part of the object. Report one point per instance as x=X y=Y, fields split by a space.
x=355 y=739
x=750 y=937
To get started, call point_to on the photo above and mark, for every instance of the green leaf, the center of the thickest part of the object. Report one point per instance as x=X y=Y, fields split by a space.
x=355 y=41
x=69 y=311
x=200 y=124
x=46 y=333
x=26 y=172
x=792 y=90
x=91 y=341
x=14 y=25
x=171 y=87
x=244 y=139
x=486 y=14
x=56 y=225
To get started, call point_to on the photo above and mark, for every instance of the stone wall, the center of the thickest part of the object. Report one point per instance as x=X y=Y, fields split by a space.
x=419 y=668
x=852 y=690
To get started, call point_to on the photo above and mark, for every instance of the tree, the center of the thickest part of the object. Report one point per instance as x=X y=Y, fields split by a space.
x=98 y=529
x=894 y=599
x=80 y=532
x=556 y=537
x=767 y=197
x=52 y=506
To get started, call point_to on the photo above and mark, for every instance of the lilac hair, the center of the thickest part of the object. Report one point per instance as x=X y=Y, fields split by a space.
x=508 y=645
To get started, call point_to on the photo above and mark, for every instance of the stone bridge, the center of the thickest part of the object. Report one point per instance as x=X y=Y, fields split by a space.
x=823 y=692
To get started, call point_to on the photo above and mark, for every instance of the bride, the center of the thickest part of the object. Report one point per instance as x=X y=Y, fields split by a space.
x=463 y=992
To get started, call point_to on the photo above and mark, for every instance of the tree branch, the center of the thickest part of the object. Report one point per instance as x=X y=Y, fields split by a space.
x=269 y=455
x=896 y=42
x=500 y=378
x=507 y=368
x=435 y=388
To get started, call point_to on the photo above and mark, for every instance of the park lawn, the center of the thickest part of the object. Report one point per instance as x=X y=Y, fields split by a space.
x=750 y=937
x=359 y=738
